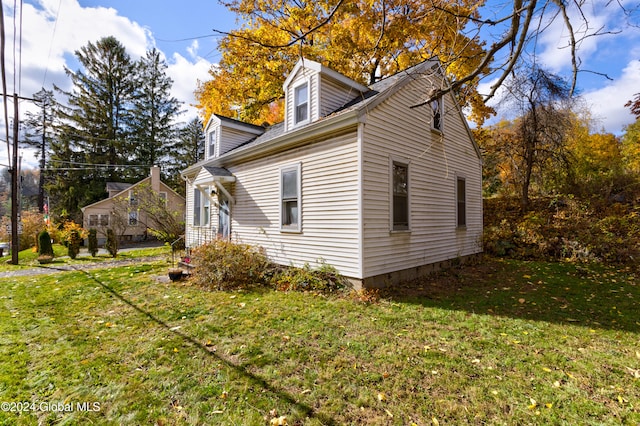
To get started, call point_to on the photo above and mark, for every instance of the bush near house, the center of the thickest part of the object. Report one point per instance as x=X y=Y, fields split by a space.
x=225 y=265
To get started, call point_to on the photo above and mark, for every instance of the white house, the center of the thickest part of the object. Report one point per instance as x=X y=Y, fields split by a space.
x=356 y=177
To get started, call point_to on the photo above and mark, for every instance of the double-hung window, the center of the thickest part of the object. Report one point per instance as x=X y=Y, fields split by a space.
x=400 y=196
x=197 y=205
x=201 y=205
x=461 y=202
x=212 y=143
x=301 y=103
x=290 y=198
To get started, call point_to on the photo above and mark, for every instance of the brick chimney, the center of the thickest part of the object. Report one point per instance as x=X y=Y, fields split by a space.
x=155 y=178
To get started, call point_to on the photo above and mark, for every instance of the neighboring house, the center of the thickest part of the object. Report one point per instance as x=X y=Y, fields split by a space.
x=357 y=177
x=121 y=212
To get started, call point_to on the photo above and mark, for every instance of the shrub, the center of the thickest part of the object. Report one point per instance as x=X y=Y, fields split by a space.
x=225 y=265
x=72 y=235
x=325 y=279
x=44 y=244
x=93 y=242
x=111 y=245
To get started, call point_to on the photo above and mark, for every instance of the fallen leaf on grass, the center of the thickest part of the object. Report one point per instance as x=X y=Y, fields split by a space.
x=635 y=373
x=279 y=421
x=381 y=396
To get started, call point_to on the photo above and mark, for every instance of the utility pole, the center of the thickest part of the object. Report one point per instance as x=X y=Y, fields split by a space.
x=15 y=175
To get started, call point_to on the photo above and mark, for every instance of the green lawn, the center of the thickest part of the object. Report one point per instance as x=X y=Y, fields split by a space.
x=504 y=342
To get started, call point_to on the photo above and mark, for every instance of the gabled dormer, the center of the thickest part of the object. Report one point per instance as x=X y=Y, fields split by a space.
x=313 y=91
x=224 y=134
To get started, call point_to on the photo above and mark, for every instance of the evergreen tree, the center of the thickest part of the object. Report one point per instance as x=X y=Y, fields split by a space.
x=93 y=129
x=40 y=133
x=152 y=126
x=186 y=151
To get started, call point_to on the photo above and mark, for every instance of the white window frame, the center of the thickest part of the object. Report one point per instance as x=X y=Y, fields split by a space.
x=394 y=227
x=437 y=114
x=212 y=143
x=202 y=210
x=103 y=220
x=291 y=227
x=197 y=206
x=460 y=225
x=94 y=220
x=306 y=83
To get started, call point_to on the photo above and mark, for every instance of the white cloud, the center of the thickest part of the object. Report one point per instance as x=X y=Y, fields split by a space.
x=186 y=75
x=607 y=103
x=54 y=29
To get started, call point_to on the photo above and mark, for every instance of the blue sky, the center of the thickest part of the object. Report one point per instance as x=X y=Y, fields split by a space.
x=53 y=29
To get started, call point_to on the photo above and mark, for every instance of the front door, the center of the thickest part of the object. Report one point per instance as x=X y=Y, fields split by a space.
x=224 y=224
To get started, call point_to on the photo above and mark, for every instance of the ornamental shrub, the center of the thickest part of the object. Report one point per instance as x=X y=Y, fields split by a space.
x=93 y=242
x=111 y=245
x=324 y=279
x=44 y=244
x=225 y=265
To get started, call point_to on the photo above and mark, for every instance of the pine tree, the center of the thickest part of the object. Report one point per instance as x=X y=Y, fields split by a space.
x=152 y=127
x=187 y=150
x=40 y=133
x=92 y=136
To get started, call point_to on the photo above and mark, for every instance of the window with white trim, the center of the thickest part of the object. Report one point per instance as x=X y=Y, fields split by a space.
x=212 y=143
x=437 y=114
x=290 y=198
x=93 y=220
x=201 y=208
x=301 y=103
x=400 y=196
x=197 y=205
x=461 y=202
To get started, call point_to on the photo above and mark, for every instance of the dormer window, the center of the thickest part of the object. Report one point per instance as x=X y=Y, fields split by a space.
x=301 y=103
x=212 y=143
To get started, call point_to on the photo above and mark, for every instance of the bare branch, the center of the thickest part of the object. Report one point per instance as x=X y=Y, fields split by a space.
x=296 y=39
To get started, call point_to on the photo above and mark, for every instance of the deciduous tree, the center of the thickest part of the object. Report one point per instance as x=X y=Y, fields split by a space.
x=365 y=40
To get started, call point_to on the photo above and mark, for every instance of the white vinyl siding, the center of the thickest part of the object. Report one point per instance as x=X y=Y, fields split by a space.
x=334 y=95
x=329 y=204
x=233 y=138
x=434 y=159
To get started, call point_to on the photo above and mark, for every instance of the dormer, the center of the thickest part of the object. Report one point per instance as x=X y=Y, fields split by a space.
x=313 y=91
x=224 y=134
